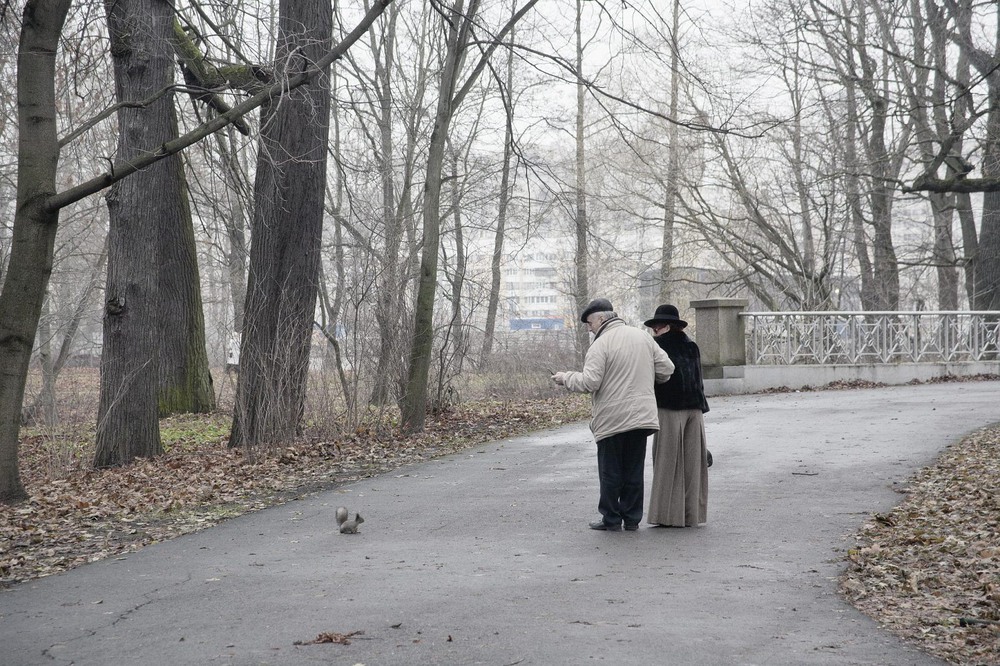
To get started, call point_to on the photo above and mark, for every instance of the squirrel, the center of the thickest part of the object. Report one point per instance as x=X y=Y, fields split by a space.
x=351 y=526
x=341 y=515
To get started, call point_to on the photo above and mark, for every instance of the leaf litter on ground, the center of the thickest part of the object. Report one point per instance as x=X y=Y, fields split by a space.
x=76 y=514
x=929 y=570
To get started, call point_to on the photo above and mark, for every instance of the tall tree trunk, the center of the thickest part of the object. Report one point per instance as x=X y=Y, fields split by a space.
x=461 y=23
x=673 y=165
x=389 y=296
x=285 y=249
x=457 y=323
x=128 y=425
x=986 y=276
x=582 y=287
x=885 y=267
x=855 y=210
x=35 y=225
x=943 y=252
x=933 y=125
x=986 y=279
x=413 y=407
x=185 y=381
x=237 y=187
x=496 y=260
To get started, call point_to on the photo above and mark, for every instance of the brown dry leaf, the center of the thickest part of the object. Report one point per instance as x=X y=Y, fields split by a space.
x=332 y=637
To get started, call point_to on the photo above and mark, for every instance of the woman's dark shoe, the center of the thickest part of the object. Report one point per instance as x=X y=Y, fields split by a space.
x=631 y=528
x=601 y=525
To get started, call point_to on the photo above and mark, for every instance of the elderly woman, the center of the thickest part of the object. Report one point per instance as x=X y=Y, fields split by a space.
x=679 y=497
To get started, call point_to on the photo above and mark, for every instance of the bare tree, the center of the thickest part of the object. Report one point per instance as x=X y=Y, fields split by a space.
x=581 y=283
x=673 y=174
x=35 y=223
x=37 y=216
x=285 y=251
x=148 y=369
x=983 y=253
x=504 y=199
x=461 y=26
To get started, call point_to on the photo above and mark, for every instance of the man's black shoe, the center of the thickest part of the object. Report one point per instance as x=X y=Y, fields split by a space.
x=601 y=525
x=631 y=528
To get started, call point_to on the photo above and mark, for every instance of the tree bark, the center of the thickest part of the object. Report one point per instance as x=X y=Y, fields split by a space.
x=673 y=166
x=389 y=293
x=413 y=408
x=37 y=215
x=285 y=247
x=496 y=260
x=457 y=323
x=185 y=380
x=582 y=287
x=128 y=418
x=34 y=223
x=461 y=24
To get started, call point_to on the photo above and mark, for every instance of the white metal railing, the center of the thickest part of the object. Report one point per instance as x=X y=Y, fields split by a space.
x=785 y=338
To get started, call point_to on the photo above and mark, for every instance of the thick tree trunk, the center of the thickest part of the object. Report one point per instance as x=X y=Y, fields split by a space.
x=986 y=282
x=884 y=264
x=943 y=252
x=413 y=407
x=885 y=267
x=285 y=248
x=185 y=381
x=34 y=225
x=128 y=424
x=986 y=278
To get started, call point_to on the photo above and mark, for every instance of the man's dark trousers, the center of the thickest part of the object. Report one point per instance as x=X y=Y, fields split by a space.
x=621 y=461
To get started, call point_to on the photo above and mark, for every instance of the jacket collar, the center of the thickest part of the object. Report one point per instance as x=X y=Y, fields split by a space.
x=604 y=326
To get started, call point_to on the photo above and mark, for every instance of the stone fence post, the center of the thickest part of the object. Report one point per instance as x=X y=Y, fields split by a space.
x=721 y=335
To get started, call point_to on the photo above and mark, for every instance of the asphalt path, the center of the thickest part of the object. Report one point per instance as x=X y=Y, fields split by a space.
x=484 y=557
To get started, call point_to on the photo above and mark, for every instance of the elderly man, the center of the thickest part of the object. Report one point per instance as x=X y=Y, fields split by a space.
x=620 y=369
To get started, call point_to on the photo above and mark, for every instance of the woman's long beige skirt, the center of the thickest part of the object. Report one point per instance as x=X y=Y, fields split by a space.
x=680 y=470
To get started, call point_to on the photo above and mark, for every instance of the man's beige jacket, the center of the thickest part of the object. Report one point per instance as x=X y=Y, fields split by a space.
x=620 y=369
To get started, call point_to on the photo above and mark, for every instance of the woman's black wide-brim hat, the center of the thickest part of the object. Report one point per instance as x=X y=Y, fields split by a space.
x=665 y=314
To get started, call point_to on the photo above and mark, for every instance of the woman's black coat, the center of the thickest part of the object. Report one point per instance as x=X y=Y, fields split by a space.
x=685 y=388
